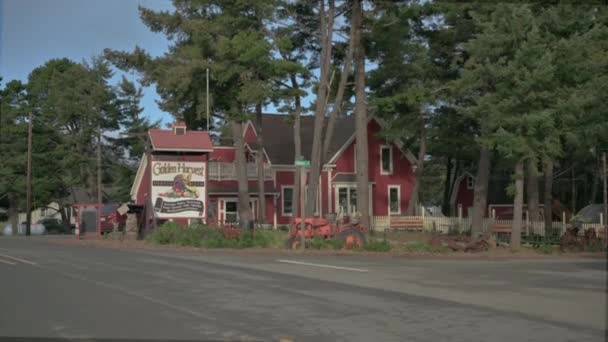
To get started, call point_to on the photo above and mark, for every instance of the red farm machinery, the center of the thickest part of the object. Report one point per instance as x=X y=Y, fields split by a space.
x=352 y=235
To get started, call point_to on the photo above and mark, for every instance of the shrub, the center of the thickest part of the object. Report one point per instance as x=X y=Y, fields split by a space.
x=317 y=242
x=210 y=237
x=545 y=248
x=377 y=246
x=424 y=247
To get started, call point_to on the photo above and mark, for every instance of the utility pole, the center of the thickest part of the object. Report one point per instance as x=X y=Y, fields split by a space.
x=28 y=221
x=99 y=189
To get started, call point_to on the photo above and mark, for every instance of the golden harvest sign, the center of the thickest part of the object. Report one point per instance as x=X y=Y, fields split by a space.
x=178 y=189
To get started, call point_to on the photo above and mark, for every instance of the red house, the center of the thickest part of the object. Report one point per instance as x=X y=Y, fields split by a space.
x=390 y=171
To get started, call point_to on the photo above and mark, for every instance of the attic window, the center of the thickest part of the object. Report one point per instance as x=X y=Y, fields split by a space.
x=470 y=183
x=180 y=130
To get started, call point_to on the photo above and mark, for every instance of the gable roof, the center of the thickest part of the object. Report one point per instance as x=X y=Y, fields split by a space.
x=279 y=137
x=190 y=141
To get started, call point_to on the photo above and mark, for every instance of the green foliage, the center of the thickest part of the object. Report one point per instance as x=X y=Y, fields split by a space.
x=210 y=237
x=377 y=246
x=546 y=249
x=423 y=247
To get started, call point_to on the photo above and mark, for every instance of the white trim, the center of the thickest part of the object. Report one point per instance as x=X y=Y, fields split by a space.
x=350 y=186
x=329 y=202
x=138 y=177
x=398 y=187
x=342 y=149
x=252 y=126
x=457 y=182
x=391 y=162
x=223 y=147
x=183 y=150
x=283 y=187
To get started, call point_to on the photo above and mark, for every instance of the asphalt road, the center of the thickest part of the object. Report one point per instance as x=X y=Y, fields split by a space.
x=72 y=292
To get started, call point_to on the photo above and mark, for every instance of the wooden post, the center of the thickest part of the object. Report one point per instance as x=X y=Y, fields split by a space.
x=563 y=221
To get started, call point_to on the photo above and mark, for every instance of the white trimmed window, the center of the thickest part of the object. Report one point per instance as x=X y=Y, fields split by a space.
x=386 y=160
x=287 y=200
x=394 y=199
x=470 y=183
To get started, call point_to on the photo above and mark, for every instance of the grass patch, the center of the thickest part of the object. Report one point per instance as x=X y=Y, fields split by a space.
x=423 y=247
x=377 y=246
x=210 y=237
x=545 y=249
x=318 y=242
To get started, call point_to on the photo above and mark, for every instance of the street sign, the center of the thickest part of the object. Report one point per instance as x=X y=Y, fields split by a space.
x=304 y=163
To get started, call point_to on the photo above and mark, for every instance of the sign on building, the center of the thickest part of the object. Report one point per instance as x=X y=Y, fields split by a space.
x=178 y=189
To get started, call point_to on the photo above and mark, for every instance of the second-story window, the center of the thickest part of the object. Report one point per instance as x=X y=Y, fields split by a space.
x=386 y=160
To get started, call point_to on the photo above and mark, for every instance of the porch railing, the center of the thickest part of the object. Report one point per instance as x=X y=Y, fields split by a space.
x=227 y=171
x=445 y=224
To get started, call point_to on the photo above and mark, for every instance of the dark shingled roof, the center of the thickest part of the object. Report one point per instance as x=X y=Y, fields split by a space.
x=279 y=139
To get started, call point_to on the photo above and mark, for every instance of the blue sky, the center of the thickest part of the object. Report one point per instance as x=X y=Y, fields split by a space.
x=34 y=31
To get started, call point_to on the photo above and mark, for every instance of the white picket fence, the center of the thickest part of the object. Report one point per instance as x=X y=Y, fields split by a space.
x=463 y=224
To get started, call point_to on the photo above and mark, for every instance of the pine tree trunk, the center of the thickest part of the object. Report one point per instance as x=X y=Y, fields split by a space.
x=573 y=184
x=594 y=185
x=445 y=205
x=260 y=165
x=99 y=175
x=518 y=203
x=245 y=216
x=361 y=119
x=13 y=211
x=338 y=102
x=480 y=199
x=413 y=203
x=297 y=140
x=455 y=176
x=532 y=190
x=326 y=31
x=548 y=193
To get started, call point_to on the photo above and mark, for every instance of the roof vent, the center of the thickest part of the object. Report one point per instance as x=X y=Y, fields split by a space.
x=179 y=128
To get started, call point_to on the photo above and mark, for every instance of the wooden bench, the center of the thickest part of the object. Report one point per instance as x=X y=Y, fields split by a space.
x=501 y=228
x=407 y=223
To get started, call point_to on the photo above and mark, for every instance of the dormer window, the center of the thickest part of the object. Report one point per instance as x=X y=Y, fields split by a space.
x=179 y=128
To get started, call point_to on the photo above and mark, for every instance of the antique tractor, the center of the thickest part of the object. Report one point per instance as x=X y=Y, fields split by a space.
x=352 y=235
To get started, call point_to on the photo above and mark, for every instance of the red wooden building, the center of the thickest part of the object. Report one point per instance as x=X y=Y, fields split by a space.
x=390 y=171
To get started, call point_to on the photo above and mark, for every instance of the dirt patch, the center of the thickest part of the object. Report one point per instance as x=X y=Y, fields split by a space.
x=496 y=253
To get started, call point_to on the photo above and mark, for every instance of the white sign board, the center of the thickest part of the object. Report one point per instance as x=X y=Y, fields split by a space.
x=178 y=189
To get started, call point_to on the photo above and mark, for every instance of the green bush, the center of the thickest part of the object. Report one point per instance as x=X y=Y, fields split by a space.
x=423 y=247
x=210 y=237
x=377 y=246
x=317 y=242
x=545 y=248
